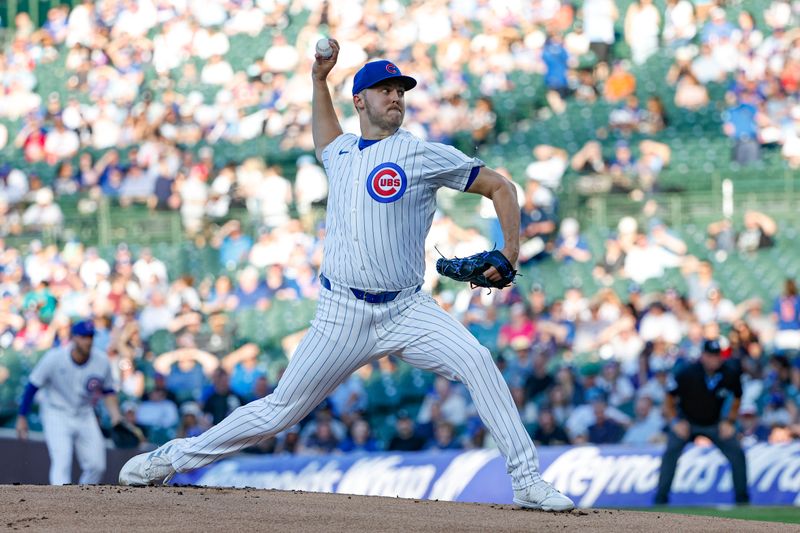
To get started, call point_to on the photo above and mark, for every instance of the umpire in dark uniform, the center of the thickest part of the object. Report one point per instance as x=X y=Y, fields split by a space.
x=700 y=390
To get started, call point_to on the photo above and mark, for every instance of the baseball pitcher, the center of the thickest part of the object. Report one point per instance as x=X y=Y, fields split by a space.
x=381 y=203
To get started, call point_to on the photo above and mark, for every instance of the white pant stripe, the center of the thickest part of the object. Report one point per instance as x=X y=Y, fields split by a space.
x=348 y=333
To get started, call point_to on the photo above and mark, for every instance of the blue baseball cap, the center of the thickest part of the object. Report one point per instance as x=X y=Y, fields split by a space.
x=375 y=72
x=84 y=328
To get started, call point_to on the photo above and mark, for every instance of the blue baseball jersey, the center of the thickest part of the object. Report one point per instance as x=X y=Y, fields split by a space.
x=381 y=204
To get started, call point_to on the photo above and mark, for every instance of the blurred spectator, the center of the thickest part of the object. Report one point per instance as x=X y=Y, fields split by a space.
x=642 y=23
x=221 y=401
x=242 y=365
x=310 y=189
x=443 y=437
x=549 y=167
x=157 y=411
x=187 y=369
x=740 y=125
x=539 y=381
x=690 y=93
x=791 y=138
x=599 y=17
x=193 y=422
x=128 y=409
x=519 y=326
x=716 y=308
x=548 y=432
x=405 y=438
x=758 y=233
x=718 y=28
x=654 y=117
x=156 y=315
x=751 y=428
x=537 y=226
x=647 y=426
x=278 y=286
x=570 y=246
x=233 y=244
x=349 y=398
x=679 y=23
x=251 y=292
x=645 y=260
x=60 y=143
x=617 y=386
x=359 y=439
x=658 y=322
x=483 y=120
x=274 y=198
x=603 y=430
x=443 y=401
x=585 y=415
x=44 y=214
x=620 y=83
x=321 y=440
x=556 y=59
x=786 y=313
x=589 y=162
x=13 y=184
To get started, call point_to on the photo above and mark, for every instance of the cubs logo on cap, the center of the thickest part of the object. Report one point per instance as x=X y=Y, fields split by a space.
x=84 y=328
x=386 y=183
x=375 y=72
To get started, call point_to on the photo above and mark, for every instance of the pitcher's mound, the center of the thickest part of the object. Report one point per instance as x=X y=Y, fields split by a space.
x=111 y=508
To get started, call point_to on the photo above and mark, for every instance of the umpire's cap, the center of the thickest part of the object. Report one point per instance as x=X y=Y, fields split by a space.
x=375 y=72
x=84 y=328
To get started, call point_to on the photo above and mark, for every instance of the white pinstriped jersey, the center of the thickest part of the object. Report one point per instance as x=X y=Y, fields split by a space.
x=68 y=386
x=381 y=205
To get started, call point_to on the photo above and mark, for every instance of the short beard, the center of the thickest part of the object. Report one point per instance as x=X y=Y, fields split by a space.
x=383 y=122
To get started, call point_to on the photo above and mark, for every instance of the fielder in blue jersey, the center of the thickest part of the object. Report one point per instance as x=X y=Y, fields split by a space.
x=380 y=207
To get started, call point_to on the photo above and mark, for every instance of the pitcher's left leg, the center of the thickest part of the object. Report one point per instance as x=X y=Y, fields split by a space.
x=433 y=340
x=429 y=338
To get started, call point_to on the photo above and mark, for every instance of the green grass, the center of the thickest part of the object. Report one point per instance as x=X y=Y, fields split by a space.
x=790 y=515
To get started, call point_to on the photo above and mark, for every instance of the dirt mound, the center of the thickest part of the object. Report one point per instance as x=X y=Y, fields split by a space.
x=111 y=508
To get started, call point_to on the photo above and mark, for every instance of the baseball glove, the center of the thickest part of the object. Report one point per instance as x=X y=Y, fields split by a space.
x=472 y=269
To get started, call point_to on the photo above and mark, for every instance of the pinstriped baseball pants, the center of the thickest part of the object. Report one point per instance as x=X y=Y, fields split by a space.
x=347 y=333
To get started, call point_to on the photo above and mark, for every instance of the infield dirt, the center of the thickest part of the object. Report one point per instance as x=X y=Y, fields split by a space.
x=111 y=508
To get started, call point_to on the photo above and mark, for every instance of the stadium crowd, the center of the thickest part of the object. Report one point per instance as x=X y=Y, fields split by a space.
x=582 y=367
x=612 y=396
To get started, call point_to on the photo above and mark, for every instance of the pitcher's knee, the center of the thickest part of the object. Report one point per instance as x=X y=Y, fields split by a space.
x=478 y=362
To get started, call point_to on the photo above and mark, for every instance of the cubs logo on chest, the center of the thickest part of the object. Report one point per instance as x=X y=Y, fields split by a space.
x=386 y=183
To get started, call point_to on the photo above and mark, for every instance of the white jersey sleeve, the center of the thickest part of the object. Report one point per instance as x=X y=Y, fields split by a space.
x=42 y=373
x=445 y=166
x=345 y=139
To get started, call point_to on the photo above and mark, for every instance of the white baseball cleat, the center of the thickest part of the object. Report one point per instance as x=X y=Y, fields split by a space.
x=542 y=495
x=151 y=468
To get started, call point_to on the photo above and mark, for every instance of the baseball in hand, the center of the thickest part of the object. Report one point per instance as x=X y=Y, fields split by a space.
x=324 y=48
